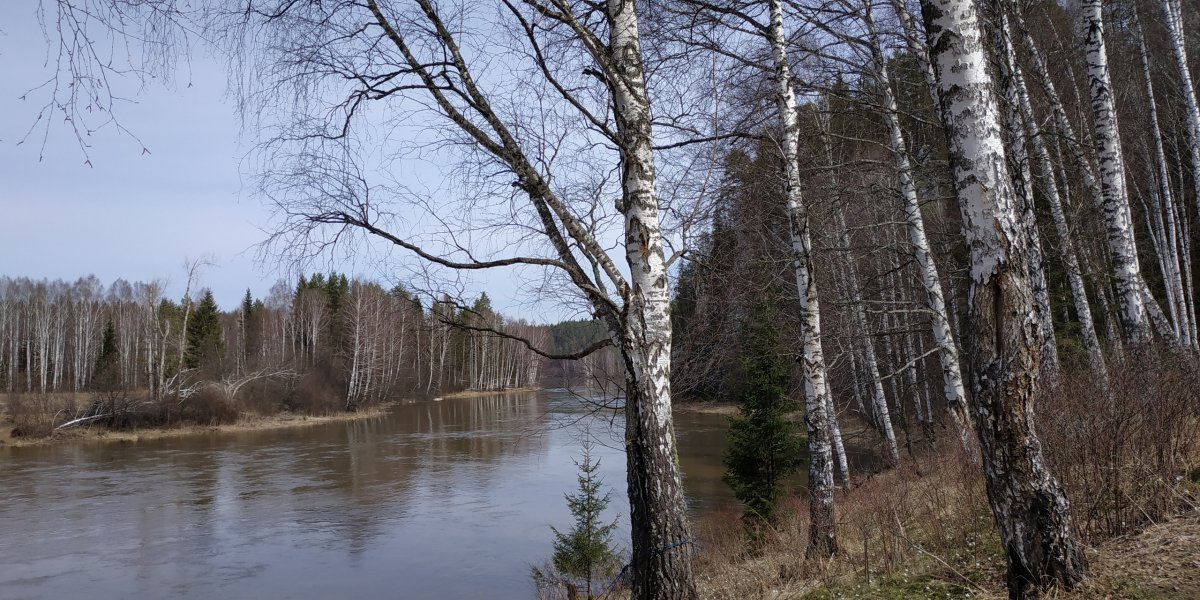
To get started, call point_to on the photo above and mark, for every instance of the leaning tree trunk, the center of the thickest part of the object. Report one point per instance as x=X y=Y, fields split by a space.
x=1029 y=505
x=662 y=546
x=952 y=383
x=822 y=534
x=1118 y=223
x=1023 y=187
x=1169 y=243
x=1066 y=240
x=1174 y=20
x=883 y=417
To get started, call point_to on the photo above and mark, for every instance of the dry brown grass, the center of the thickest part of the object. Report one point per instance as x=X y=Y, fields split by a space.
x=246 y=421
x=908 y=524
x=1127 y=456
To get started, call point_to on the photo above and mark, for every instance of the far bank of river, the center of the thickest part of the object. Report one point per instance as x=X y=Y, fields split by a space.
x=245 y=422
x=255 y=422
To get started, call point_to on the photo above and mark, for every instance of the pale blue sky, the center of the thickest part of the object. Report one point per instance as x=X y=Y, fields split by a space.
x=130 y=214
x=136 y=215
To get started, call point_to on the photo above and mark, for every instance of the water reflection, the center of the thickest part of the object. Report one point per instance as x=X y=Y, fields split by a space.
x=436 y=499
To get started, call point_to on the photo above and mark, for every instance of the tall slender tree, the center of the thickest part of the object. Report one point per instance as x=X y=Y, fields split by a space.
x=1029 y=506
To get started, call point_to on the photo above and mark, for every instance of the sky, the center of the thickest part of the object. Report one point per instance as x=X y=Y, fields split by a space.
x=117 y=211
x=129 y=214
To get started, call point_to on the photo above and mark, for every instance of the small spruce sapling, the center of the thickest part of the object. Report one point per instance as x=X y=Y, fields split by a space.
x=585 y=552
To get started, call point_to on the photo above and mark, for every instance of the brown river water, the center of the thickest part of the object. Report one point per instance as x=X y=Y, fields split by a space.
x=436 y=499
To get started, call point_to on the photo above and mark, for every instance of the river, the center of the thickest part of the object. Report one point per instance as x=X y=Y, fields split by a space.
x=436 y=499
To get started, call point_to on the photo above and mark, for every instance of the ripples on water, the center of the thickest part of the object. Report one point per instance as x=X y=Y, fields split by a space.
x=448 y=499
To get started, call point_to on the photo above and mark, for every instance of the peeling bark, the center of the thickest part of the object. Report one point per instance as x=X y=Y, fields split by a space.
x=1030 y=508
x=662 y=545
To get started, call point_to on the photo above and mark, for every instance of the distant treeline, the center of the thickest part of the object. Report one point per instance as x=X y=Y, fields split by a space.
x=349 y=341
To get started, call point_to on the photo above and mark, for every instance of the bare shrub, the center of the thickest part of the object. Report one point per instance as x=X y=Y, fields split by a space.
x=1124 y=452
x=209 y=406
x=264 y=396
x=35 y=415
x=319 y=392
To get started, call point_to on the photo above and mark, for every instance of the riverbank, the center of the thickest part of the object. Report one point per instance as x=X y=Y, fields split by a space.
x=482 y=393
x=245 y=422
x=709 y=408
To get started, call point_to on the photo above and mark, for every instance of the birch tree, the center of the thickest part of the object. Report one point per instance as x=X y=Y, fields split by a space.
x=1029 y=506
x=822 y=535
x=1162 y=212
x=952 y=383
x=1135 y=319
x=1173 y=12
x=585 y=64
x=1066 y=239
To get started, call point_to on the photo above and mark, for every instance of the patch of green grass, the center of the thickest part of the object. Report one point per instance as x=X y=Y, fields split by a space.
x=896 y=588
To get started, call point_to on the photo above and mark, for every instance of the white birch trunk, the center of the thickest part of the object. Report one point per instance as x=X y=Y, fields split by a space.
x=1029 y=506
x=822 y=534
x=879 y=403
x=1066 y=239
x=952 y=382
x=1174 y=21
x=662 y=547
x=1162 y=216
x=1023 y=187
x=1135 y=320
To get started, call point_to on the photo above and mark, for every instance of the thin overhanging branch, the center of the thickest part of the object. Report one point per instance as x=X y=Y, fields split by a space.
x=344 y=218
x=577 y=355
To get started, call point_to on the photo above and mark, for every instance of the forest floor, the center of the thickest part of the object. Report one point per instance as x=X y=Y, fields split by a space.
x=924 y=532
x=245 y=422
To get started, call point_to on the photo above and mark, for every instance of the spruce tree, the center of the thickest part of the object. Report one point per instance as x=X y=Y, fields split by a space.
x=764 y=444
x=106 y=376
x=204 y=342
x=585 y=552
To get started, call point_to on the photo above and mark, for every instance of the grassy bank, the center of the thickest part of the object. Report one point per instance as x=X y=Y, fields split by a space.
x=1128 y=456
x=243 y=422
x=482 y=393
x=925 y=532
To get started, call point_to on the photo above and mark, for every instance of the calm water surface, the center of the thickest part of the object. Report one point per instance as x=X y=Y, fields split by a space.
x=449 y=499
